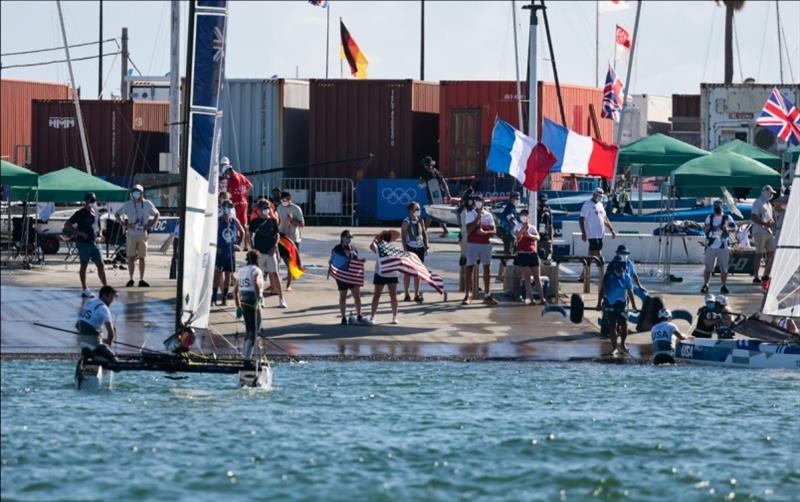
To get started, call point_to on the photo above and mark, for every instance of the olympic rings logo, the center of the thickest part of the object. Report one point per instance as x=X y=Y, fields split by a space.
x=399 y=195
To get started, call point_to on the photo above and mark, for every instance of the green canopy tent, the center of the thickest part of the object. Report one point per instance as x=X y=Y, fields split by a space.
x=657 y=155
x=705 y=176
x=70 y=185
x=15 y=176
x=750 y=151
x=792 y=154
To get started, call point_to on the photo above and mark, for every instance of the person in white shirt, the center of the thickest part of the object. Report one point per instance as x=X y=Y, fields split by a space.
x=137 y=213
x=290 y=222
x=247 y=295
x=593 y=221
x=717 y=226
x=664 y=335
x=763 y=233
x=93 y=316
x=480 y=228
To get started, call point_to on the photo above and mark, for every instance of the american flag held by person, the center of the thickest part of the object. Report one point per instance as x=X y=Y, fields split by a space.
x=396 y=260
x=347 y=270
x=782 y=117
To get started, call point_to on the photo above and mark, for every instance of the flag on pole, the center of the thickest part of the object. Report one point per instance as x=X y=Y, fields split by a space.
x=319 y=3
x=516 y=154
x=623 y=45
x=352 y=53
x=396 y=260
x=605 y=6
x=612 y=96
x=577 y=154
x=782 y=117
x=347 y=270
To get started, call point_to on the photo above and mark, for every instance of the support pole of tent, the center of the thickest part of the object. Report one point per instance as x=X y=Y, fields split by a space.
x=625 y=92
x=75 y=97
x=533 y=92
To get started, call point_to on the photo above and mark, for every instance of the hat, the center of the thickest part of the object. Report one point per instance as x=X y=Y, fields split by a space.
x=599 y=190
x=225 y=161
x=768 y=188
x=137 y=187
x=722 y=300
x=665 y=313
x=543 y=197
x=709 y=298
x=89 y=196
x=623 y=249
x=427 y=161
x=346 y=233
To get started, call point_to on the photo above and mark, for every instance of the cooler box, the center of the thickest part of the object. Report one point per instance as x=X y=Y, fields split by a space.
x=387 y=199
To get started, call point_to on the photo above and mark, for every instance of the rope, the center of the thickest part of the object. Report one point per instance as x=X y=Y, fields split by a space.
x=59 y=48
x=26 y=65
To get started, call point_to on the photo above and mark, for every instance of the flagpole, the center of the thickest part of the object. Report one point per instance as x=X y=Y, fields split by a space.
x=516 y=64
x=533 y=101
x=327 y=38
x=596 y=43
x=422 y=41
x=625 y=93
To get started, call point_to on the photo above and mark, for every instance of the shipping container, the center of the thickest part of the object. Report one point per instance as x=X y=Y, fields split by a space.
x=467 y=112
x=15 y=113
x=394 y=121
x=151 y=116
x=729 y=111
x=118 y=147
x=265 y=126
x=645 y=115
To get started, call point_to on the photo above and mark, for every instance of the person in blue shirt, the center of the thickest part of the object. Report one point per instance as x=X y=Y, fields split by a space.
x=617 y=290
x=630 y=269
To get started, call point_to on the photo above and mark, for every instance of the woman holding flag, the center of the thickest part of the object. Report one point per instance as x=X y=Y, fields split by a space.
x=348 y=271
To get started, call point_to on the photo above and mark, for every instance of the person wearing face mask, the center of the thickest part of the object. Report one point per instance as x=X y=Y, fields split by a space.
x=415 y=240
x=593 y=221
x=229 y=234
x=508 y=220
x=623 y=254
x=82 y=224
x=717 y=226
x=545 y=228
x=291 y=221
x=239 y=187
x=343 y=253
x=709 y=316
x=135 y=216
x=264 y=232
x=763 y=220
x=527 y=258
x=617 y=290
x=480 y=228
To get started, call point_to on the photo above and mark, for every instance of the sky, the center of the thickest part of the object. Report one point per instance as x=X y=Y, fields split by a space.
x=680 y=43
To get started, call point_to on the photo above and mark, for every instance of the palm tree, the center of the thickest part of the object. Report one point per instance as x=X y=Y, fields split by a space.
x=730 y=7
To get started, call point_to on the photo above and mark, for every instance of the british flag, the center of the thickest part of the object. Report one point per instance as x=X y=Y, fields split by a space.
x=780 y=116
x=396 y=260
x=612 y=96
x=219 y=44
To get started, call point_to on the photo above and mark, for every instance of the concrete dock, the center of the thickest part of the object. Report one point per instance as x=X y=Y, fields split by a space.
x=310 y=327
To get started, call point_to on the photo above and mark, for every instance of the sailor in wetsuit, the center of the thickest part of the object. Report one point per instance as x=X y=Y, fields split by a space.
x=92 y=317
x=664 y=334
x=711 y=316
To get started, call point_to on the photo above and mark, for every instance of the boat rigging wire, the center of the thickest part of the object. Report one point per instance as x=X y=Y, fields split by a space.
x=59 y=48
x=25 y=65
x=738 y=53
x=763 y=42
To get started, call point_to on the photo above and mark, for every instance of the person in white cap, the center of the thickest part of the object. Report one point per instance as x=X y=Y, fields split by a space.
x=763 y=234
x=239 y=187
x=593 y=222
x=717 y=228
x=135 y=215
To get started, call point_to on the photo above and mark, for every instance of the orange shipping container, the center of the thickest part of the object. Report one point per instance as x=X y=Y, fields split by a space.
x=15 y=114
x=152 y=116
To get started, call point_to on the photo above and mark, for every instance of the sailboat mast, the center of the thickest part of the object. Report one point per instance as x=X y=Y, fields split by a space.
x=533 y=93
x=184 y=160
x=521 y=127
x=174 y=88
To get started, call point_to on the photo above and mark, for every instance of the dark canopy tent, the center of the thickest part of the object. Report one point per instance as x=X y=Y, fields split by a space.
x=70 y=185
x=657 y=155
x=751 y=152
x=15 y=176
x=705 y=176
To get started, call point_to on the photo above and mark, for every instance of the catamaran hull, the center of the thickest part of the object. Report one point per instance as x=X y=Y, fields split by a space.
x=88 y=377
x=739 y=353
x=258 y=379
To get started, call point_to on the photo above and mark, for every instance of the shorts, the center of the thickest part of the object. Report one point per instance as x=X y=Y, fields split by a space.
x=526 y=260
x=765 y=243
x=241 y=213
x=419 y=252
x=136 y=246
x=343 y=286
x=88 y=251
x=225 y=263
x=614 y=315
x=269 y=263
x=252 y=314
x=380 y=280
x=719 y=256
x=479 y=253
x=595 y=244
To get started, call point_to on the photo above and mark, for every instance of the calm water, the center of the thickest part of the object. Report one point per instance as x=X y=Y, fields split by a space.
x=345 y=431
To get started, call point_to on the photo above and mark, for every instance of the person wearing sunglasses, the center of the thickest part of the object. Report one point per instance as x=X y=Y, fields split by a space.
x=83 y=225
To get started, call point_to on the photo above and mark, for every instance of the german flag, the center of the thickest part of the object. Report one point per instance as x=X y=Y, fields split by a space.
x=350 y=51
x=290 y=256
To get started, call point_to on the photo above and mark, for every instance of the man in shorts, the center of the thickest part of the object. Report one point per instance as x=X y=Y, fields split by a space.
x=480 y=228
x=763 y=220
x=264 y=232
x=618 y=289
x=238 y=186
x=291 y=221
x=137 y=213
x=717 y=226
x=593 y=222
x=83 y=224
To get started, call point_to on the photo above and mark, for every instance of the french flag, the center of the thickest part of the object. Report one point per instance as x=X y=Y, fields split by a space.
x=577 y=154
x=516 y=154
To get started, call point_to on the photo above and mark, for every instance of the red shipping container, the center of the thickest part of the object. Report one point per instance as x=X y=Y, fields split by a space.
x=394 y=120
x=467 y=112
x=15 y=113
x=116 y=147
x=151 y=116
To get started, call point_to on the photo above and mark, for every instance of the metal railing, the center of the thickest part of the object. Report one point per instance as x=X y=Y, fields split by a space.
x=323 y=200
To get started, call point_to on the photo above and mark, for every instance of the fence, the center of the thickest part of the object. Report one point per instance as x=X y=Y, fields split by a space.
x=323 y=200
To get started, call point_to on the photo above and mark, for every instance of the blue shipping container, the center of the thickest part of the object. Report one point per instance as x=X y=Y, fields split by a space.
x=387 y=199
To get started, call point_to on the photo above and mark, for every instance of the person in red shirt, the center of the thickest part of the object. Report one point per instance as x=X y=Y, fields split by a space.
x=527 y=258
x=239 y=187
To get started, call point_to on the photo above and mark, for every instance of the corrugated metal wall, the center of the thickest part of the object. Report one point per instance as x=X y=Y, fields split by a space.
x=15 y=112
x=152 y=116
x=265 y=126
